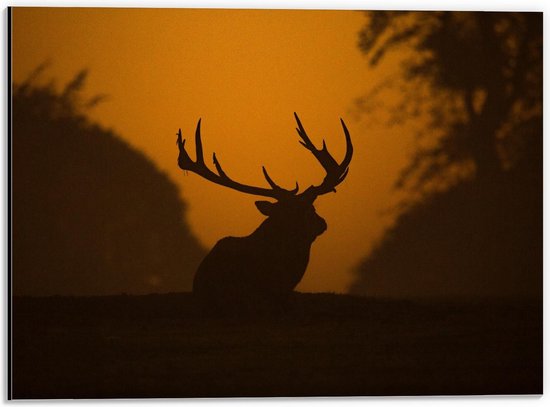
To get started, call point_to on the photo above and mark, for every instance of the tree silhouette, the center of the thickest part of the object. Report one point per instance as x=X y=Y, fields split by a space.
x=91 y=215
x=476 y=225
x=483 y=75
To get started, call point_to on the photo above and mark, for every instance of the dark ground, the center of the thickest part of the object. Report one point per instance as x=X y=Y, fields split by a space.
x=323 y=345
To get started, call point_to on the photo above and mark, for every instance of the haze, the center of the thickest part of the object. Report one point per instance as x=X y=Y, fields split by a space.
x=244 y=72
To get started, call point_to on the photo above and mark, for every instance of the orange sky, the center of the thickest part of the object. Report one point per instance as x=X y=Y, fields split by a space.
x=244 y=72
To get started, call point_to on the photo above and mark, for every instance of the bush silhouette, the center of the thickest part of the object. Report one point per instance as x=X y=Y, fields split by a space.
x=478 y=239
x=91 y=215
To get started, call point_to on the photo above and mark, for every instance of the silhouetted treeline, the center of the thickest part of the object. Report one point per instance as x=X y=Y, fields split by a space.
x=475 y=227
x=91 y=215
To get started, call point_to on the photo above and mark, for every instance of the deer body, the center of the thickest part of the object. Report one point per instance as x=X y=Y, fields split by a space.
x=269 y=263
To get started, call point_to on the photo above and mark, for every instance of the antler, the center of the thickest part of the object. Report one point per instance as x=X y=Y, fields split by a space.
x=335 y=172
x=199 y=167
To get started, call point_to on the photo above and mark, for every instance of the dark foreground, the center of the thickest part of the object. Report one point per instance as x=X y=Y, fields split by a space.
x=323 y=345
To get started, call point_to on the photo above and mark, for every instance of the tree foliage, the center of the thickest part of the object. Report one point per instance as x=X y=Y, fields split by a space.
x=474 y=224
x=484 y=75
x=91 y=215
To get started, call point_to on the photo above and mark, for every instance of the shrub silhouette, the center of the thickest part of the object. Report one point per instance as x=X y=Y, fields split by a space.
x=91 y=215
x=478 y=239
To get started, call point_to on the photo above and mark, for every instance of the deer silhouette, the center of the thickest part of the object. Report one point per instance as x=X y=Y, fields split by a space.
x=269 y=263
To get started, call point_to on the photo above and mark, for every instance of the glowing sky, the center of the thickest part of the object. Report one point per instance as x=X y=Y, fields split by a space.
x=244 y=72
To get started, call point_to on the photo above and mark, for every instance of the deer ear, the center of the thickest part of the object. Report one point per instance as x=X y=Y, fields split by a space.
x=265 y=207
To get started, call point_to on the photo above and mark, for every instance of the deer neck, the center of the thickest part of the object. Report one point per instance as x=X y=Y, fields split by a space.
x=277 y=235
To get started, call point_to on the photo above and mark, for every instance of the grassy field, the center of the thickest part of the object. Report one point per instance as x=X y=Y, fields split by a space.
x=323 y=344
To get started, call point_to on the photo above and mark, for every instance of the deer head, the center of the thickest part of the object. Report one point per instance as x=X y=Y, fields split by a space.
x=291 y=207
